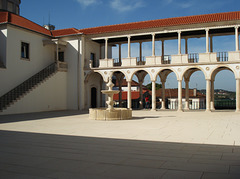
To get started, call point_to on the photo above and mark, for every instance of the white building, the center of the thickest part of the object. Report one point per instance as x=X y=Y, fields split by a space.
x=43 y=70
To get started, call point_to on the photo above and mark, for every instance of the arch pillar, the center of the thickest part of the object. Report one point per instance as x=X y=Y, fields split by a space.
x=186 y=107
x=163 y=94
x=208 y=96
x=238 y=95
x=129 y=95
x=212 y=95
x=180 y=95
x=153 y=95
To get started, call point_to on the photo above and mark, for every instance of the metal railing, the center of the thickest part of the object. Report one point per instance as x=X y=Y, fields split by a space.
x=166 y=59
x=141 y=61
x=193 y=58
x=26 y=86
x=225 y=104
x=117 y=62
x=222 y=56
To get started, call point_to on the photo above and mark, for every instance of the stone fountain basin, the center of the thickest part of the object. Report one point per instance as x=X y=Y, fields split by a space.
x=107 y=115
x=109 y=92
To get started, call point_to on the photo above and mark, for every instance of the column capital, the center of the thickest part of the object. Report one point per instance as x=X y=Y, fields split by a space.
x=129 y=81
x=236 y=27
x=179 y=32
x=207 y=30
x=153 y=81
x=106 y=39
x=153 y=34
x=129 y=36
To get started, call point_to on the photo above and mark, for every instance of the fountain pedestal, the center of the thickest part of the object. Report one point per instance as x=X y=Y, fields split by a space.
x=110 y=113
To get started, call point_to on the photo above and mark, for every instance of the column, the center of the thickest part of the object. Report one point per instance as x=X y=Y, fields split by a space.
x=186 y=45
x=179 y=95
x=140 y=51
x=153 y=45
x=162 y=49
x=207 y=40
x=120 y=93
x=208 y=91
x=212 y=95
x=129 y=46
x=129 y=98
x=179 y=43
x=236 y=38
x=141 y=94
x=119 y=53
x=163 y=95
x=57 y=55
x=106 y=48
x=153 y=96
x=186 y=95
x=238 y=95
x=211 y=43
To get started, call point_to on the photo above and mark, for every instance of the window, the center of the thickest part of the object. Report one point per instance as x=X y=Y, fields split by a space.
x=92 y=58
x=61 y=56
x=25 y=50
x=17 y=9
x=10 y=6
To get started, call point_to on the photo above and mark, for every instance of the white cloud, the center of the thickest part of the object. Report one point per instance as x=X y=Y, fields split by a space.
x=182 y=4
x=86 y=3
x=126 y=5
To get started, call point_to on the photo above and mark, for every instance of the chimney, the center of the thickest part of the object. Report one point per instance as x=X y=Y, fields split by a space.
x=195 y=92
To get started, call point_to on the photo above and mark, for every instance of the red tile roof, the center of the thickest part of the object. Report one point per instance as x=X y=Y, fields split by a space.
x=135 y=95
x=7 y=17
x=176 y=21
x=169 y=93
x=64 y=32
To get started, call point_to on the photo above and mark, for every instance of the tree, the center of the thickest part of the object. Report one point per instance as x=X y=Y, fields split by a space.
x=158 y=86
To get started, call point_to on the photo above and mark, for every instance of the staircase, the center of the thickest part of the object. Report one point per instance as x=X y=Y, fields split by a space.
x=15 y=94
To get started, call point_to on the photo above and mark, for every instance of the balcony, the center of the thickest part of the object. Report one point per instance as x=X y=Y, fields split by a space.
x=191 y=58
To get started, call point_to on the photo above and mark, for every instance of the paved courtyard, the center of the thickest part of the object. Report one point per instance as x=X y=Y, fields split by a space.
x=162 y=144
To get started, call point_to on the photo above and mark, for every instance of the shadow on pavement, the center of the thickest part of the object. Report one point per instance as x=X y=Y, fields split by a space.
x=36 y=116
x=34 y=155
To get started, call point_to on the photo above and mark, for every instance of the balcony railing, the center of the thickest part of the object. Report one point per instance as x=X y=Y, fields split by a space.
x=166 y=59
x=117 y=62
x=141 y=61
x=222 y=56
x=193 y=58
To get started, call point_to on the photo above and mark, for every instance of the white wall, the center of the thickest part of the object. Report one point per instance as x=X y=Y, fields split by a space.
x=71 y=57
x=18 y=70
x=3 y=44
x=48 y=96
x=92 y=47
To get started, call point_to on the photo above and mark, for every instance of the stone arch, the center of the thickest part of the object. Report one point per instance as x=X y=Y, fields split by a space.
x=137 y=70
x=88 y=75
x=93 y=80
x=165 y=69
x=123 y=72
x=214 y=72
x=194 y=69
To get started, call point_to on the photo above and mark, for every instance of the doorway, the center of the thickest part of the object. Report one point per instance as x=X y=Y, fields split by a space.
x=93 y=97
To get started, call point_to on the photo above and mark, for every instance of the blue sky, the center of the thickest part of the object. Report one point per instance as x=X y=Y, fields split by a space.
x=91 y=13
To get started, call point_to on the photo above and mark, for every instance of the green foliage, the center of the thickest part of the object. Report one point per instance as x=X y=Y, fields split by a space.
x=149 y=86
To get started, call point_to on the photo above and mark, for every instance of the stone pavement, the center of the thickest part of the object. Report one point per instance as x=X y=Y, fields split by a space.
x=162 y=144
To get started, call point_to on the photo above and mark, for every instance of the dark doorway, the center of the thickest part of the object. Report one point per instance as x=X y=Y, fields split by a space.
x=93 y=97
x=61 y=56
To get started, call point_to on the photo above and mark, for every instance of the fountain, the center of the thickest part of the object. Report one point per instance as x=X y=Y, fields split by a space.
x=110 y=113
